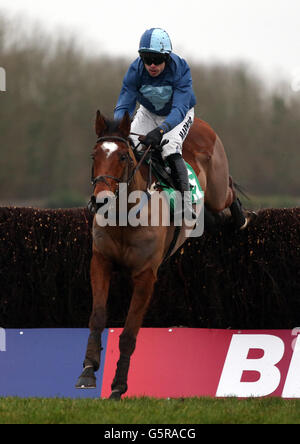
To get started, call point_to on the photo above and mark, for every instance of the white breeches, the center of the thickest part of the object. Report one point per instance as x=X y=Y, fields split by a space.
x=145 y=121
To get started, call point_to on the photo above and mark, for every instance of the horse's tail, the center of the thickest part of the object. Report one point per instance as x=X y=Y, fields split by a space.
x=241 y=190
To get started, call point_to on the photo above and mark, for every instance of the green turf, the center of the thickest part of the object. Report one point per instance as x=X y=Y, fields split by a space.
x=149 y=411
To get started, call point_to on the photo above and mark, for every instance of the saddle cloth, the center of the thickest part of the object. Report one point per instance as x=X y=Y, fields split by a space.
x=196 y=190
x=165 y=182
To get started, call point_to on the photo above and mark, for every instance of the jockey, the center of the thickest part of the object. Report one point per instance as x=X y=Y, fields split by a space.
x=161 y=82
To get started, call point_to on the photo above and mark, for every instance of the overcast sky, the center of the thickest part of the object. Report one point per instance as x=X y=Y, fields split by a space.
x=264 y=33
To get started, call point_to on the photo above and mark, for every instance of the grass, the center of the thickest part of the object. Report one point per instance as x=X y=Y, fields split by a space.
x=149 y=411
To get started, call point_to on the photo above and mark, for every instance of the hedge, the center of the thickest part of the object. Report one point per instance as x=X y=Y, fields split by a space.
x=233 y=279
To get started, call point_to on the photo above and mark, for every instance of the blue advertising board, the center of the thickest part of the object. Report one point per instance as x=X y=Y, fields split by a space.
x=45 y=363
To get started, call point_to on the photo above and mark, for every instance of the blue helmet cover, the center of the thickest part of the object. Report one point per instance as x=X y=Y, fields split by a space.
x=155 y=40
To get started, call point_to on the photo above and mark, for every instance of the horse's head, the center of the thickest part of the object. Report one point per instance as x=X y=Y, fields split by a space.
x=112 y=161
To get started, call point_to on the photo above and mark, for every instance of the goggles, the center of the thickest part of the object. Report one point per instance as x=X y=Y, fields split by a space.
x=153 y=58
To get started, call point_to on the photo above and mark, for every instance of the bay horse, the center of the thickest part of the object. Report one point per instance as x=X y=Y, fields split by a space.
x=140 y=249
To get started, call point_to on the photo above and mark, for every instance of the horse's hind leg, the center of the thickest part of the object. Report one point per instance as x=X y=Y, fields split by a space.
x=239 y=216
x=218 y=193
x=142 y=292
x=236 y=210
x=100 y=278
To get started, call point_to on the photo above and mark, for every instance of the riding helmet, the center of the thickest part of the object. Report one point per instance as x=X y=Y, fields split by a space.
x=155 y=40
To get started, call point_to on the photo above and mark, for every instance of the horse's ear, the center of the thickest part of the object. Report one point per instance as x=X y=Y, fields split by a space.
x=100 y=124
x=125 y=124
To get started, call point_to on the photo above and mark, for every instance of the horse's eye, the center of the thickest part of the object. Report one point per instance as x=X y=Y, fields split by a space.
x=123 y=157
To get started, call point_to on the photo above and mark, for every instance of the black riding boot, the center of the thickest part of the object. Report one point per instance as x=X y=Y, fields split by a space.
x=180 y=176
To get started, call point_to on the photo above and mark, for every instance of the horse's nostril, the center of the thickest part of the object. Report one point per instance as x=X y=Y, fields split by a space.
x=95 y=203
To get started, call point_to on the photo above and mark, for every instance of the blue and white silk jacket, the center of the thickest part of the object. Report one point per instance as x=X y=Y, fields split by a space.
x=170 y=94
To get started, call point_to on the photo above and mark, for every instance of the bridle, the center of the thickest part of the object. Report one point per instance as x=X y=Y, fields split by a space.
x=93 y=206
x=102 y=178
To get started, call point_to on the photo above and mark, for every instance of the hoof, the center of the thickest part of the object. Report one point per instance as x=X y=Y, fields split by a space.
x=115 y=395
x=87 y=379
x=245 y=224
x=250 y=216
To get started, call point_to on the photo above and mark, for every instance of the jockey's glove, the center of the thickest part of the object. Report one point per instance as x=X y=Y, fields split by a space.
x=154 y=137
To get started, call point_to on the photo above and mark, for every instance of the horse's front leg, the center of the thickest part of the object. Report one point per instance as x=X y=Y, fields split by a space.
x=100 y=280
x=143 y=285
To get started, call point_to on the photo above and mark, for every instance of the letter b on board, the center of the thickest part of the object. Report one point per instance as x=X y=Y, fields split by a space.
x=237 y=362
